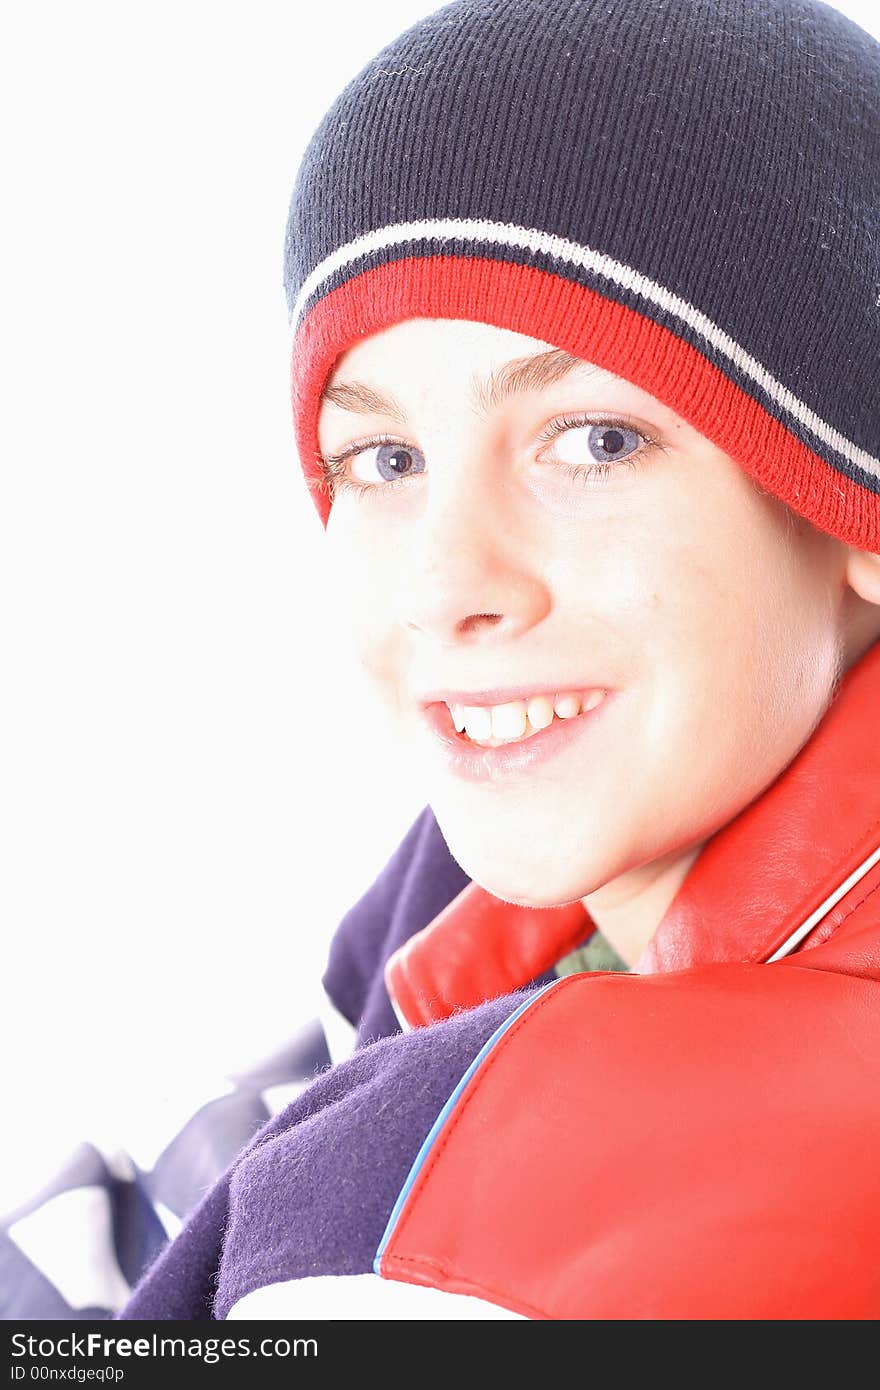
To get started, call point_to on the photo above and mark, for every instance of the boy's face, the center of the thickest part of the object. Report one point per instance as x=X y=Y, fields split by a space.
x=675 y=583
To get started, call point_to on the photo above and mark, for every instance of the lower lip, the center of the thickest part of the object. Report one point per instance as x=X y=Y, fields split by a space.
x=478 y=764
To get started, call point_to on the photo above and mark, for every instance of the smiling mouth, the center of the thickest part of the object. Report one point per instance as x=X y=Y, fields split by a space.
x=520 y=720
x=499 y=759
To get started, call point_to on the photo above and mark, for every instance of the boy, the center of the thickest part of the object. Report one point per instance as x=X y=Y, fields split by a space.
x=584 y=303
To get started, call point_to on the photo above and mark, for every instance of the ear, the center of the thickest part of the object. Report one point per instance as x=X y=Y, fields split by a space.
x=863 y=574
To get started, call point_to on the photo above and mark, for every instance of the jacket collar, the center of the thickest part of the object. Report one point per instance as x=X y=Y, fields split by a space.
x=765 y=882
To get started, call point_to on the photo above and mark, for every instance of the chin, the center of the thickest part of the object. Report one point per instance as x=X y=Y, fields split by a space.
x=544 y=900
x=536 y=864
x=530 y=885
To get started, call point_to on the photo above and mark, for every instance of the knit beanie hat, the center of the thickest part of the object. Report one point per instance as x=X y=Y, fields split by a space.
x=683 y=192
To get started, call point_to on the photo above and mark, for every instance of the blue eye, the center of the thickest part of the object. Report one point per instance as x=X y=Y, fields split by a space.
x=608 y=445
x=396 y=461
x=612 y=441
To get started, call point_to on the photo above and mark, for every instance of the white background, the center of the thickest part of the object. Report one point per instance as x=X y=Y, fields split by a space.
x=193 y=788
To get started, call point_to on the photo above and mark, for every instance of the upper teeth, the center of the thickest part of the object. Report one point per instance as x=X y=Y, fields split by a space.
x=521 y=717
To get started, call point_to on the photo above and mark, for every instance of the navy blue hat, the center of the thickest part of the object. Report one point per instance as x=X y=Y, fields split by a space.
x=684 y=192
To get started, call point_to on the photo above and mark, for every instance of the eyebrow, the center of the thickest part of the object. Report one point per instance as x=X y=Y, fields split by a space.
x=520 y=375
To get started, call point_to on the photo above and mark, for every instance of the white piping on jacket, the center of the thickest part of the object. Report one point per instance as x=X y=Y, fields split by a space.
x=824 y=908
x=405 y=1025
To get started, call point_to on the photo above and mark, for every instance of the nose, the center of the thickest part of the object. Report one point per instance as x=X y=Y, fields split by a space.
x=474 y=573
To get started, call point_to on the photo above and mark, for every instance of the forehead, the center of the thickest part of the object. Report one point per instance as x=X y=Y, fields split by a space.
x=490 y=365
x=485 y=392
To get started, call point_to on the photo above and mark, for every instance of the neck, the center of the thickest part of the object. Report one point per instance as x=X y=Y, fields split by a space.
x=629 y=910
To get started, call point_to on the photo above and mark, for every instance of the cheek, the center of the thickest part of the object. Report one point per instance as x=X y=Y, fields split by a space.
x=654 y=607
x=739 y=646
x=679 y=618
x=363 y=579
